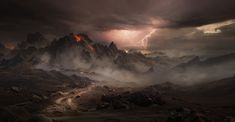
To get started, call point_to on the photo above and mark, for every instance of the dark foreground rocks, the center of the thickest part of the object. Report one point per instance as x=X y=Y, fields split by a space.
x=19 y=114
x=186 y=115
x=128 y=100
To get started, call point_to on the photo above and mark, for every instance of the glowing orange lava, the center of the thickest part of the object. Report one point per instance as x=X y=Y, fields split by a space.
x=78 y=38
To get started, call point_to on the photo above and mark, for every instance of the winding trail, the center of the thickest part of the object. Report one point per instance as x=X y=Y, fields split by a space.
x=67 y=100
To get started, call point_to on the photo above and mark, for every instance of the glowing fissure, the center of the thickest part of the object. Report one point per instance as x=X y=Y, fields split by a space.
x=79 y=38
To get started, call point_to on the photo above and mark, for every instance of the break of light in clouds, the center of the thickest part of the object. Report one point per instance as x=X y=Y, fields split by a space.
x=128 y=38
x=215 y=27
x=129 y=23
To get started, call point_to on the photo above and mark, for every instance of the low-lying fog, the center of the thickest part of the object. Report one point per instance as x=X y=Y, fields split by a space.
x=167 y=69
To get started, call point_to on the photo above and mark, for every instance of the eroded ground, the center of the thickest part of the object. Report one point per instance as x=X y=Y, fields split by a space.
x=36 y=95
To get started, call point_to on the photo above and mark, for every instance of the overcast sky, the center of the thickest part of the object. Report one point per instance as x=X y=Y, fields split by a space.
x=196 y=25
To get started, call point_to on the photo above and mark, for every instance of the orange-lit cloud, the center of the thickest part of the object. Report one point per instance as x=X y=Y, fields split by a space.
x=9 y=45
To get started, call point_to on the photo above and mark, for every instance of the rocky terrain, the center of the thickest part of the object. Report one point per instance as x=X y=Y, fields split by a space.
x=74 y=78
x=37 y=95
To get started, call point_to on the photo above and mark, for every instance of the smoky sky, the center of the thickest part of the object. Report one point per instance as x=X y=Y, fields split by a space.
x=56 y=18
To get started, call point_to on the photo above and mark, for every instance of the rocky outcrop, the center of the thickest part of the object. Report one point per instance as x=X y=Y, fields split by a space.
x=128 y=100
x=3 y=51
x=19 y=114
x=36 y=40
x=186 y=115
x=73 y=49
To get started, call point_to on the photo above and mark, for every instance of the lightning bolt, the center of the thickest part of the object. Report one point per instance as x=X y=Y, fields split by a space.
x=144 y=41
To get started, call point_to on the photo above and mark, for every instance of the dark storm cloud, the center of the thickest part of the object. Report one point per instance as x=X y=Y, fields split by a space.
x=58 y=17
x=195 y=13
x=19 y=17
x=187 y=41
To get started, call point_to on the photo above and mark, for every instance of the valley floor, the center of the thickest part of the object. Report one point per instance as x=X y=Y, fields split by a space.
x=35 y=95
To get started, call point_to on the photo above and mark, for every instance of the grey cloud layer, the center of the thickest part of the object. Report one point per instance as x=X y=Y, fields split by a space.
x=58 y=17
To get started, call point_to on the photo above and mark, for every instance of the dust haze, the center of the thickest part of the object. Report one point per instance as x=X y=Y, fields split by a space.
x=174 y=71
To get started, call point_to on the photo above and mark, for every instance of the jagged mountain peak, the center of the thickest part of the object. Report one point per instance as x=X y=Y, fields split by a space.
x=36 y=40
x=78 y=50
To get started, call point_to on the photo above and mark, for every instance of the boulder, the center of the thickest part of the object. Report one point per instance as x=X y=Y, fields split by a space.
x=16 y=89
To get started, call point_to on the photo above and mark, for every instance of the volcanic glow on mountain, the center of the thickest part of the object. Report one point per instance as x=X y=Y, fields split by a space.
x=78 y=38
